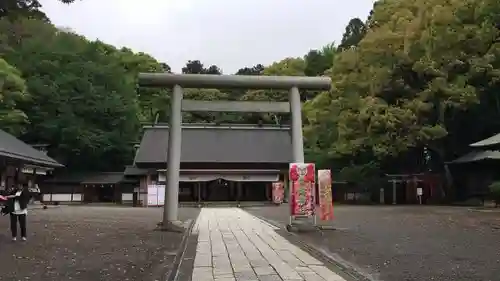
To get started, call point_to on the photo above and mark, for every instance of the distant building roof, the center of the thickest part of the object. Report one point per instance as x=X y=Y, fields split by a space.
x=11 y=147
x=89 y=178
x=218 y=144
x=134 y=171
x=493 y=140
x=476 y=156
x=104 y=178
x=67 y=178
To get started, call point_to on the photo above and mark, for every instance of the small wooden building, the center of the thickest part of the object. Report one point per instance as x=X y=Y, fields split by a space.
x=475 y=171
x=22 y=160
x=98 y=187
x=218 y=162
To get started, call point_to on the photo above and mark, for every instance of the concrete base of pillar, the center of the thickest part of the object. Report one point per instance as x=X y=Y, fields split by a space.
x=326 y=227
x=172 y=226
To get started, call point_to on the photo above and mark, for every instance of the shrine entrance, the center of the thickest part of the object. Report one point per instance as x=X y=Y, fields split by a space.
x=408 y=189
x=177 y=82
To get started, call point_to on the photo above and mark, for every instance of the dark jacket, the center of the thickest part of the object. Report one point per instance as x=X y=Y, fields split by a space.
x=23 y=200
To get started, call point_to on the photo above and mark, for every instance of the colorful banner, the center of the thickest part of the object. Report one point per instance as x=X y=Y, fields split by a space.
x=325 y=194
x=278 y=192
x=302 y=179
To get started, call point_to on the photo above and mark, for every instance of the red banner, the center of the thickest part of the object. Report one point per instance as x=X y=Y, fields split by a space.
x=278 y=192
x=325 y=194
x=302 y=178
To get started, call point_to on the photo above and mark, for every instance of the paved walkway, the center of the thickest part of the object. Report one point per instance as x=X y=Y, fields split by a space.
x=234 y=245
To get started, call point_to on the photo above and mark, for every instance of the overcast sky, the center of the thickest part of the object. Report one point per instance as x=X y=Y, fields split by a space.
x=229 y=33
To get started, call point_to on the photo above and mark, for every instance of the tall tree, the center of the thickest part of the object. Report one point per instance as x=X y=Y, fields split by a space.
x=237 y=94
x=197 y=67
x=285 y=67
x=12 y=92
x=254 y=70
x=408 y=79
x=319 y=61
x=193 y=67
x=83 y=101
x=213 y=69
x=354 y=32
x=14 y=9
x=153 y=102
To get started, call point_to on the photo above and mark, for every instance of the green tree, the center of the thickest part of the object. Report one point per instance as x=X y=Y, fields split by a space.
x=354 y=32
x=494 y=189
x=12 y=92
x=425 y=75
x=206 y=95
x=406 y=76
x=84 y=102
x=153 y=102
x=236 y=94
x=316 y=63
x=254 y=70
x=196 y=67
x=14 y=9
x=285 y=67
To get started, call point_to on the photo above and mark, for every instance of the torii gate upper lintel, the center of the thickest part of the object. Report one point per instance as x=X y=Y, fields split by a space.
x=179 y=81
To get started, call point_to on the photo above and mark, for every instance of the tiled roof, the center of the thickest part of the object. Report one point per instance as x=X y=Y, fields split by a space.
x=478 y=156
x=11 y=147
x=219 y=144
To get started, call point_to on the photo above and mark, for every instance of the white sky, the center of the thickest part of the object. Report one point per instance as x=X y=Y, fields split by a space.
x=228 y=33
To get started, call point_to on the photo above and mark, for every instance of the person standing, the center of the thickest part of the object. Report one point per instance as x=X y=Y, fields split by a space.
x=17 y=207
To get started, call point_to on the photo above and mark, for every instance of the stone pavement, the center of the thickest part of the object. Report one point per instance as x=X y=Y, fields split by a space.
x=234 y=245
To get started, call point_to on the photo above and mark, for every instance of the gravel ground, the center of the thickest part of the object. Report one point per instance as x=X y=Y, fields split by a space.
x=87 y=243
x=409 y=243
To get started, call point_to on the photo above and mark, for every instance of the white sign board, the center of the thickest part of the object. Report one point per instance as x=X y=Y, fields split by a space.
x=161 y=195
x=152 y=195
x=156 y=195
x=420 y=192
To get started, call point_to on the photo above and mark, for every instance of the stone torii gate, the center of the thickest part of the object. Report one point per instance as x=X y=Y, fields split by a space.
x=179 y=81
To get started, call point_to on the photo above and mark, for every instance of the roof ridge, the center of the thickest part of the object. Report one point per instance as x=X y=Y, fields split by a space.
x=222 y=126
x=217 y=124
x=218 y=144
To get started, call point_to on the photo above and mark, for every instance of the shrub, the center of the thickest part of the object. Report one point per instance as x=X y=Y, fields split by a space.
x=495 y=192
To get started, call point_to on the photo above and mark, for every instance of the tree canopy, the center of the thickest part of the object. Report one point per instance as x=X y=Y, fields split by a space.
x=14 y=9
x=415 y=76
x=12 y=92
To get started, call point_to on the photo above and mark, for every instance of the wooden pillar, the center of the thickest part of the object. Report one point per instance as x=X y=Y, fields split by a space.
x=269 y=192
x=394 y=197
x=34 y=184
x=198 y=189
x=234 y=191
x=203 y=191
x=3 y=177
x=230 y=191
x=238 y=191
x=117 y=198
x=144 y=190
x=34 y=176
x=286 y=182
x=18 y=175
